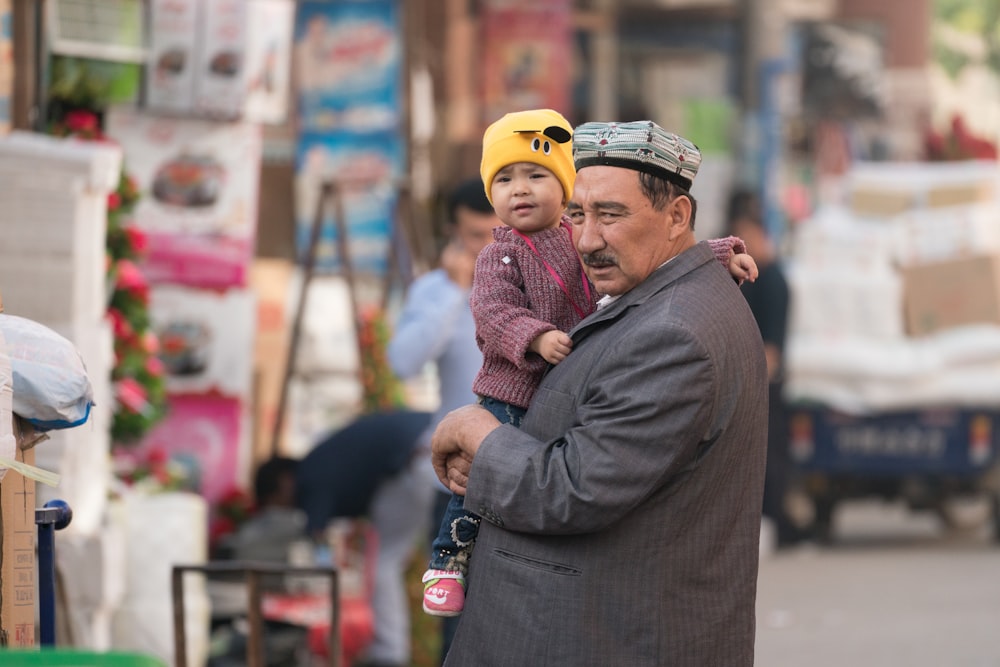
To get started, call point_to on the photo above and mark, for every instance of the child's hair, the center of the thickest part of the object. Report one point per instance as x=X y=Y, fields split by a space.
x=538 y=136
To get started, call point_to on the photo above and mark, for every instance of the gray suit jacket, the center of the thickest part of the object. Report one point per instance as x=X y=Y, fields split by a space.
x=622 y=519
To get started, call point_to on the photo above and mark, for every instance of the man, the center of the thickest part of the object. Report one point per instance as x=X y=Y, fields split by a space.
x=277 y=524
x=621 y=521
x=371 y=468
x=768 y=298
x=436 y=326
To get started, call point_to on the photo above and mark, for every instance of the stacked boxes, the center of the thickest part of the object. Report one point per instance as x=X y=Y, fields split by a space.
x=896 y=292
x=17 y=526
x=53 y=198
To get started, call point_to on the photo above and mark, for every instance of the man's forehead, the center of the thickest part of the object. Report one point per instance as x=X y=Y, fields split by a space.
x=471 y=219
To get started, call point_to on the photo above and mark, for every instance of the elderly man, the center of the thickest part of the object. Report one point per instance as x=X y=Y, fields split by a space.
x=621 y=521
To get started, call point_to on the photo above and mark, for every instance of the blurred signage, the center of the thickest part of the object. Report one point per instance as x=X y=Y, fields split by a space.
x=527 y=49
x=843 y=73
x=102 y=29
x=348 y=69
x=199 y=180
x=220 y=58
x=268 y=60
x=6 y=64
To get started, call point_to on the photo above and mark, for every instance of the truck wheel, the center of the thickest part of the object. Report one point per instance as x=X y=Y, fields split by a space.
x=823 y=518
x=996 y=516
x=965 y=513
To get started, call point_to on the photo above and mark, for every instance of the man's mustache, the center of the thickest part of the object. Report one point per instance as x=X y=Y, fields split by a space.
x=598 y=259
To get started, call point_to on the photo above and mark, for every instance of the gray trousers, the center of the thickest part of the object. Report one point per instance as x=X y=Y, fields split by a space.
x=399 y=513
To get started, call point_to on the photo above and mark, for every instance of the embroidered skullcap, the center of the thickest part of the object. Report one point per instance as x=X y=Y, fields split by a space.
x=641 y=145
x=538 y=136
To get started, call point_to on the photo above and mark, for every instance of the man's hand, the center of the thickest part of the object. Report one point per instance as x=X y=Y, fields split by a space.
x=459 y=264
x=553 y=346
x=456 y=441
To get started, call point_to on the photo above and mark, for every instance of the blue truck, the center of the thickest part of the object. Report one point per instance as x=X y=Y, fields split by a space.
x=926 y=457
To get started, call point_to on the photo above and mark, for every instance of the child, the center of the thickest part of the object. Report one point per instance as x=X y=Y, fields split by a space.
x=528 y=290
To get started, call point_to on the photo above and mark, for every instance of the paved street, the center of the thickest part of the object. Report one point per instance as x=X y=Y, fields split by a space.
x=895 y=588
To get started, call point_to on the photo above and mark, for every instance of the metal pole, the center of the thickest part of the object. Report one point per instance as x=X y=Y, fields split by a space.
x=55 y=515
x=334 y=638
x=46 y=584
x=255 y=618
x=308 y=269
x=180 y=638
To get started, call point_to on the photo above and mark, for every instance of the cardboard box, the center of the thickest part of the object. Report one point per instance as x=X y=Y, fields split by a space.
x=881 y=203
x=953 y=293
x=961 y=194
x=17 y=553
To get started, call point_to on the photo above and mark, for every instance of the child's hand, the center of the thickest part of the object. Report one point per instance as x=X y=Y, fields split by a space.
x=553 y=346
x=742 y=267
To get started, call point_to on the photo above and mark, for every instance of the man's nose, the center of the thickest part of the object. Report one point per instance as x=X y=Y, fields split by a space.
x=587 y=238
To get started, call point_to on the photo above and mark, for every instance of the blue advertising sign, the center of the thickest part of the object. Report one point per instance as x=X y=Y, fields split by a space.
x=348 y=57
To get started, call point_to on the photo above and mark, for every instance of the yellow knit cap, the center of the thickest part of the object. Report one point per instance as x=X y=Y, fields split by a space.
x=539 y=136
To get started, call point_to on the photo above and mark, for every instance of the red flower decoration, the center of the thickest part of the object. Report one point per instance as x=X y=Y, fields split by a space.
x=114 y=201
x=131 y=394
x=137 y=239
x=154 y=366
x=119 y=325
x=81 y=121
x=150 y=343
x=157 y=456
x=132 y=280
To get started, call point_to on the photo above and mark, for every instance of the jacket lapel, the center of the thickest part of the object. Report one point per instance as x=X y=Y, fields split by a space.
x=679 y=266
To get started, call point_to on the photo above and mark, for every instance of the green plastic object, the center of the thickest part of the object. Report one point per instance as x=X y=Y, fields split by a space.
x=75 y=658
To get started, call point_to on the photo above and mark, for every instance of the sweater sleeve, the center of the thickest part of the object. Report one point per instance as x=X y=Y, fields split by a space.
x=505 y=324
x=721 y=248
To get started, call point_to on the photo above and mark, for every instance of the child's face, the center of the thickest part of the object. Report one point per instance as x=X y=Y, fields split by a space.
x=527 y=197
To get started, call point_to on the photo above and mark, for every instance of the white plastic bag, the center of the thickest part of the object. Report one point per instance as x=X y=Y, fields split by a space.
x=51 y=386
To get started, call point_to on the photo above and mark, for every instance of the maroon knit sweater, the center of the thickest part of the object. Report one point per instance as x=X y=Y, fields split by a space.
x=515 y=299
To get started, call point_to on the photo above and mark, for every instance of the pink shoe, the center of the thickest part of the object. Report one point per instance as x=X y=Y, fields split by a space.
x=444 y=592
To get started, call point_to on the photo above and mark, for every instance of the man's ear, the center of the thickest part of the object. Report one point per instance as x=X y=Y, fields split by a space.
x=679 y=213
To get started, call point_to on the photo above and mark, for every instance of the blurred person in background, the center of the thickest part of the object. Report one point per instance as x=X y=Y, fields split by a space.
x=277 y=524
x=373 y=468
x=435 y=326
x=768 y=298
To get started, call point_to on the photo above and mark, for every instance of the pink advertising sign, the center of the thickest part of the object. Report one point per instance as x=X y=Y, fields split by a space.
x=199 y=182
x=210 y=430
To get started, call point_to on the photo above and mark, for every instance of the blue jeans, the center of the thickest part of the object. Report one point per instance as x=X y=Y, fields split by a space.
x=452 y=547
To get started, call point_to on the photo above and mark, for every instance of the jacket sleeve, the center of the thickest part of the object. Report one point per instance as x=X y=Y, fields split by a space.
x=505 y=325
x=430 y=313
x=627 y=443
